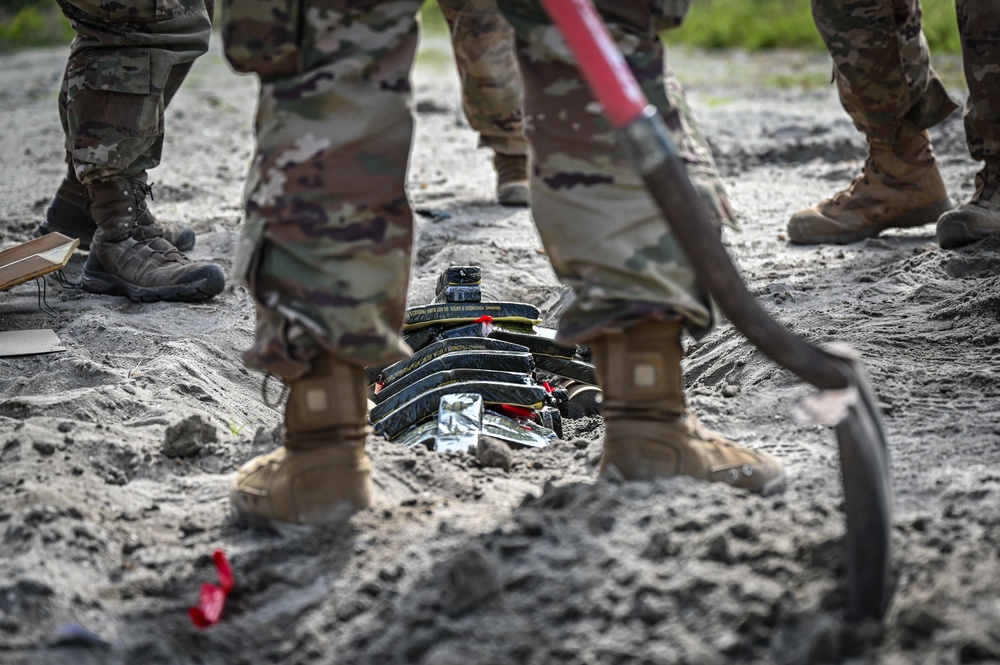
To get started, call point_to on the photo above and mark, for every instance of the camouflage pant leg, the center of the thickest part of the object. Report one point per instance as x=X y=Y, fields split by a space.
x=603 y=233
x=979 y=27
x=328 y=229
x=174 y=79
x=117 y=76
x=487 y=67
x=882 y=66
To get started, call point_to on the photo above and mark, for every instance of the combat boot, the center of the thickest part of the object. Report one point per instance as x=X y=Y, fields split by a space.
x=129 y=256
x=512 y=179
x=67 y=214
x=900 y=186
x=320 y=474
x=978 y=218
x=649 y=432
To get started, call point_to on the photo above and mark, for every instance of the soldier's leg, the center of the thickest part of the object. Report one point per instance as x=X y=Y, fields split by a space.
x=483 y=43
x=635 y=290
x=886 y=84
x=327 y=238
x=67 y=213
x=980 y=216
x=115 y=81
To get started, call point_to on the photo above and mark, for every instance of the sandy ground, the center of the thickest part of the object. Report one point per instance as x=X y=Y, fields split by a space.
x=109 y=515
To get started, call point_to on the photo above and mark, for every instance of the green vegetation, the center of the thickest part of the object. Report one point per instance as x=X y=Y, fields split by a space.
x=26 y=23
x=748 y=24
x=431 y=18
x=762 y=24
x=235 y=427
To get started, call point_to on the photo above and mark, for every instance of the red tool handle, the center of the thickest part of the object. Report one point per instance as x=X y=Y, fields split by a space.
x=602 y=64
x=863 y=457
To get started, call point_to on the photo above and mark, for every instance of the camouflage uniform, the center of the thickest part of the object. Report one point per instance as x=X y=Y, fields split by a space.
x=125 y=63
x=328 y=235
x=883 y=72
x=326 y=245
x=487 y=67
x=979 y=27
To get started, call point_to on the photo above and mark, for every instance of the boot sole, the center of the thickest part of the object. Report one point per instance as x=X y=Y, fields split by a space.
x=337 y=517
x=514 y=195
x=927 y=215
x=197 y=290
x=957 y=234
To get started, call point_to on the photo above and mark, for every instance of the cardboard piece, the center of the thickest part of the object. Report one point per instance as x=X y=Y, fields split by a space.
x=29 y=342
x=35 y=258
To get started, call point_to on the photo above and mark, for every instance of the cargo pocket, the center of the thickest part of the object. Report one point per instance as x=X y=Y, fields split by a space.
x=263 y=37
x=123 y=79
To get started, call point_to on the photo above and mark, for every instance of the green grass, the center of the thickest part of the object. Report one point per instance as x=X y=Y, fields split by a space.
x=763 y=24
x=748 y=24
x=28 y=23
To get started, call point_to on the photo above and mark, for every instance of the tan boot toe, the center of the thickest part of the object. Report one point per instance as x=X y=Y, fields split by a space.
x=900 y=186
x=304 y=487
x=645 y=450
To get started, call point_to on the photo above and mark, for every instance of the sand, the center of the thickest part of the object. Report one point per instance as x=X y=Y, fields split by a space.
x=115 y=455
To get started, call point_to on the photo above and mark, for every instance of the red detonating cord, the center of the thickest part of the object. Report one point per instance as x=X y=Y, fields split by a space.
x=212 y=598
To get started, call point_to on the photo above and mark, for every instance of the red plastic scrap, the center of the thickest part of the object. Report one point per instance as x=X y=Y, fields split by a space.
x=212 y=599
x=518 y=412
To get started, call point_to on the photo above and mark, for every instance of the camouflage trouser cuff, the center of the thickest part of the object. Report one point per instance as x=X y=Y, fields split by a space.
x=583 y=327
x=504 y=145
x=890 y=133
x=983 y=138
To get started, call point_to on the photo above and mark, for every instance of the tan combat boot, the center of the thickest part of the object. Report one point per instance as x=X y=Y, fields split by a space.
x=512 y=179
x=648 y=430
x=900 y=186
x=978 y=218
x=67 y=214
x=320 y=474
x=129 y=256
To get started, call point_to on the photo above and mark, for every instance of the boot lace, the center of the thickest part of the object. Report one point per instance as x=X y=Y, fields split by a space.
x=869 y=168
x=144 y=231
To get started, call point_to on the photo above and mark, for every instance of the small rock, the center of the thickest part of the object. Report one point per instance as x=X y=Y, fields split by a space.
x=660 y=546
x=743 y=531
x=689 y=525
x=371 y=588
x=494 y=453
x=189 y=528
x=43 y=447
x=188 y=437
x=132 y=546
x=718 y=550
